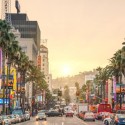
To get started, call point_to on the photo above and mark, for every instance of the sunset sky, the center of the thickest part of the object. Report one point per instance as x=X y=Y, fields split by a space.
x=82 y=34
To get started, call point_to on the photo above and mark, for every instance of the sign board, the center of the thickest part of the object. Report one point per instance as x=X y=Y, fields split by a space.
x=39 y=61
x=118 y=88
x=6 y=101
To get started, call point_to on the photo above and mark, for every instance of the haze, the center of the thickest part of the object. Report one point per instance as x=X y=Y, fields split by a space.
x=81 y=34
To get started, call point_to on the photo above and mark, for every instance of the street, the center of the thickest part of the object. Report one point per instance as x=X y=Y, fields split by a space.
x=60 y=121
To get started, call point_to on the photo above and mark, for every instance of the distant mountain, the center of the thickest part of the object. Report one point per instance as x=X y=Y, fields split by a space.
x=70 y=81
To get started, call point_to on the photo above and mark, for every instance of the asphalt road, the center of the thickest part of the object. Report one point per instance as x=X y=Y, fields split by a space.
x=60 y=121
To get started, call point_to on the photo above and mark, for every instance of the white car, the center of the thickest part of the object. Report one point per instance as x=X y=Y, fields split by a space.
x=27 y=115
x=107 y=121
x=41 y=116
x=6 y=120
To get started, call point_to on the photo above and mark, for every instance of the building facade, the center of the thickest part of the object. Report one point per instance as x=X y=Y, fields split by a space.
x=28 y=35
x=43 y=64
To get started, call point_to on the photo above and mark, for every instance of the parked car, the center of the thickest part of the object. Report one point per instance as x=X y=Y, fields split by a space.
x=41 y=116
x=27 y=115
x=6 y=120
x=54 y=113
x=0 y=120
x=19 y=111
x=119 y=119
x=18 y=118
x=13 y=119
x=69 y=114
x=89 y=116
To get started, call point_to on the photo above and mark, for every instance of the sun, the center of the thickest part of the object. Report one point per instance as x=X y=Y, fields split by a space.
x=66 y=70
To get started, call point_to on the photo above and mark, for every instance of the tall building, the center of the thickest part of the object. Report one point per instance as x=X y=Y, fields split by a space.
x=28 y=35
x=27 y=28
x=43 y=64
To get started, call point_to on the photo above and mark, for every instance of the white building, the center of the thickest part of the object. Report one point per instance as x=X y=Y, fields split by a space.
x=29 y=47
x=43 y=64
x=72 y=93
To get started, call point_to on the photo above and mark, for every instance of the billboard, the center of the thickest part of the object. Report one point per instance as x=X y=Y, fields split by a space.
x=0 y=68
x=6 y=101
x=118 y=88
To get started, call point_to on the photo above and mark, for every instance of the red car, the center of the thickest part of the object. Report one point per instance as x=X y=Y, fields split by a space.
x=69 y=114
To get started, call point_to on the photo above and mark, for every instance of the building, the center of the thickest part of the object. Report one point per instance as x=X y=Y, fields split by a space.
x=27 y=28
x=28 y=35
x=72 y=93
x=43 y=64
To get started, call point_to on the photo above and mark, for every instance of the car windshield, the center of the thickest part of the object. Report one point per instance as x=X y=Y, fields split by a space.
x=41 y=114
x=19 y=112
x=121 y=116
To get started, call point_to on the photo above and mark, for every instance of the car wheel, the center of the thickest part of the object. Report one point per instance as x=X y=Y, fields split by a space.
x=106 y=122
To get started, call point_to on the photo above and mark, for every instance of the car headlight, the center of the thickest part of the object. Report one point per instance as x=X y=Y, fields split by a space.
x=37 y=117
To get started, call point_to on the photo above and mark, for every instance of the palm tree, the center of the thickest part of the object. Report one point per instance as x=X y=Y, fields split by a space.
x=4 y=41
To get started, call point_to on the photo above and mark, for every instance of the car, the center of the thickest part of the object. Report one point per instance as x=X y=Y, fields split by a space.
x=27 y=115
x=54 y=113
x=0 y=120
x=13 y=119
x=19 y=111
x=69 y=114
x=108 y=120
x=119 y=119
x=89 y=116
x=41 y=116
x=6 y=120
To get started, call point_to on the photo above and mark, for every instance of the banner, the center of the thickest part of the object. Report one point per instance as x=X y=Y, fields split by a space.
x=0 y=68
x=118 y=88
